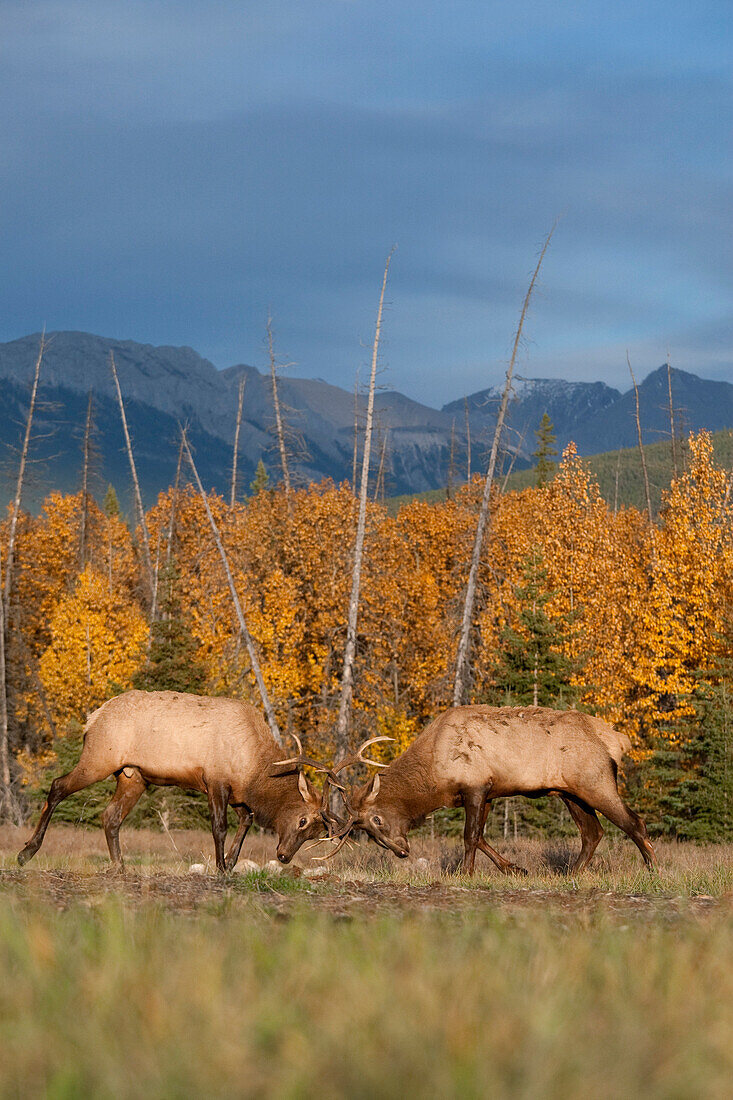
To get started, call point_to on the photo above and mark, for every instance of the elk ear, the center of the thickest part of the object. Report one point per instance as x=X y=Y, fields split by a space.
x=303 y=787
x=373 y=791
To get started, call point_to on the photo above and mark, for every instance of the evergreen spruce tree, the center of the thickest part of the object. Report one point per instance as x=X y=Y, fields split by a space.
x=544 y=467
x=261 y=479
x=533 y=669
x=692 y=764
x=172 y=664
x=111 y=503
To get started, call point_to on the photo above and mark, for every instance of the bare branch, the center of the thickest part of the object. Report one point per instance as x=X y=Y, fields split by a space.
x=85 y=486
x=12 y=534
x=278 y=415
x=235 y=454
x=672 y=425
x=468 y=442
x=248 y=641
x=135 y=482
x=350 y=651
x=641 y=447
x=483 y=519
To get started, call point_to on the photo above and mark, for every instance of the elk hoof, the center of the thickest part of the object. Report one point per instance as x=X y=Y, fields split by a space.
x=24 y=855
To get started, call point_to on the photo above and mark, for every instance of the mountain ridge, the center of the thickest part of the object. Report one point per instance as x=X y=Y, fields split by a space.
x=164 y=386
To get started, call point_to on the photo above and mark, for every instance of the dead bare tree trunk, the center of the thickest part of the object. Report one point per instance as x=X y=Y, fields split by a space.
x=174 y=503
x=9 y=807
x=459 y=684
x=468 y=441
x=380 y=474
x=15 y=513
x=135 y=482
x=356 y=432
x=347 y=676
x=278 y=416
x=517 y=449
x=451 y=461
x=85 y=487
x=672 y=425
x=641 y=447
x=156 y=576
x=248 y=640
x=618 y=471
x=235 y=455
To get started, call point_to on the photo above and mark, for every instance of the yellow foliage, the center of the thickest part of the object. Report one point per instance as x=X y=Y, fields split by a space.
x=97 y=643
x=647 y=604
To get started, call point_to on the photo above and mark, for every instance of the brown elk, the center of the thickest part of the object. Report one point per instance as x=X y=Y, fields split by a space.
x=222 y=747
x=471 y=755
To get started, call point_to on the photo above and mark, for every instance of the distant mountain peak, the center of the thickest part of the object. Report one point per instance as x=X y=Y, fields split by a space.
x=165 y=385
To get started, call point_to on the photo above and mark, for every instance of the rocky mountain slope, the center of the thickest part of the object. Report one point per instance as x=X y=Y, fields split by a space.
x=166 y=386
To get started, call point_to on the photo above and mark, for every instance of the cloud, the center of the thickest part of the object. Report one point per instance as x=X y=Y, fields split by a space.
x=171 y=171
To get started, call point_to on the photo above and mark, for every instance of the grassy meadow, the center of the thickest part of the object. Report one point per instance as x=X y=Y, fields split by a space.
x=365 y=977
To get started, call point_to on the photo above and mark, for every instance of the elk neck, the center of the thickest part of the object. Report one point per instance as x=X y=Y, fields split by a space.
x=268 y=797
x=409 y=785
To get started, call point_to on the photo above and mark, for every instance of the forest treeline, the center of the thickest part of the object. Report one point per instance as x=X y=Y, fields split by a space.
x=578 y=605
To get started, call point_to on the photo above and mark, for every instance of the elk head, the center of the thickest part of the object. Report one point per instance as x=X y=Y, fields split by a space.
x=378 y=817
x=303 y=816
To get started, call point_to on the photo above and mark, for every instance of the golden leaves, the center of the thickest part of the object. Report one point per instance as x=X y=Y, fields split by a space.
x=648 y=606
x=97 y=643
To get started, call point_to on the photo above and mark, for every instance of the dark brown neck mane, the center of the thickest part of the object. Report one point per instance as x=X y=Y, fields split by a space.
x=408 y=785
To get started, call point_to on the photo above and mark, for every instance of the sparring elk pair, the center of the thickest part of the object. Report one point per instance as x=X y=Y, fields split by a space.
x=466 y=757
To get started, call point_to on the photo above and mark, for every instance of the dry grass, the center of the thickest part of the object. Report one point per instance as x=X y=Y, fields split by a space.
x=381 y=978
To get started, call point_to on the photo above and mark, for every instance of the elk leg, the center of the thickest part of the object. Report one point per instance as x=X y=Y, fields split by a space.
x=75 y=780
x=590 y=830
x=504 y=865
x=129 y=790
x=616 y=810
x=218 y=801
x=473 y=803
x=245 y=820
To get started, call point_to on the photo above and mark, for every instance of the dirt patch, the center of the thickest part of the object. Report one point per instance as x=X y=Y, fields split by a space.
x=341 y=898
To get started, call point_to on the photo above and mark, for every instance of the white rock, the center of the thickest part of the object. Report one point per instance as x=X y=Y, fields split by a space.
x=197 y=869
x=273 y=866
x=244 y=866
x=422 y=864
x=314 y=872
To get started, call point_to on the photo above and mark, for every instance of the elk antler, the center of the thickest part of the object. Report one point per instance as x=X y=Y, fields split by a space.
x=307 y=761
x=346 y=826
x=330 y=818
x=357 y=758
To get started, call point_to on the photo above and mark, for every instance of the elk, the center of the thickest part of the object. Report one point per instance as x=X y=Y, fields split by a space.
x=222 y=747
x=470 y=755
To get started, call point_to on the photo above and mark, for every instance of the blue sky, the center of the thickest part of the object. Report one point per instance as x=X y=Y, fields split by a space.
x=171 y=170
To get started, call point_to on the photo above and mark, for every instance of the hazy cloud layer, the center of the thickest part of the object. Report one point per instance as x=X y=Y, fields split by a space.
x=170 y=170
